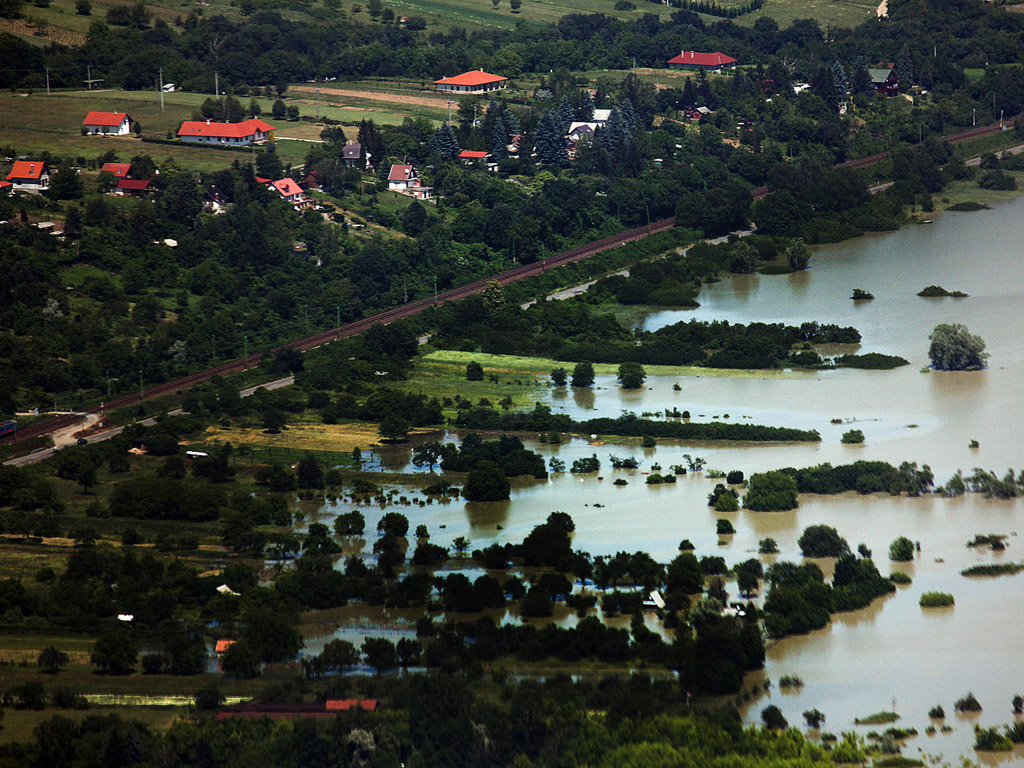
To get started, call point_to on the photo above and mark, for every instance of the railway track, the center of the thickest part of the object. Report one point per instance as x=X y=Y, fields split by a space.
x=419 y=305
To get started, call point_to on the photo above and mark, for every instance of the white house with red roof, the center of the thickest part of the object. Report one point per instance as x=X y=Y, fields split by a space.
x=476 y=81
x=291 y=192
x=695 y=60
x=404 y=180
x=132 y=187
x=120 y=170
x=108 y=123
x=242 y=134
x=29 y=175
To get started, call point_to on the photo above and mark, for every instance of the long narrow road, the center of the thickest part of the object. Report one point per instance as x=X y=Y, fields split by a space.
x=415 y=307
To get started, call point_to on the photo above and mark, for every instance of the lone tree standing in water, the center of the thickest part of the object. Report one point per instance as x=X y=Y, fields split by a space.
x=954 y=348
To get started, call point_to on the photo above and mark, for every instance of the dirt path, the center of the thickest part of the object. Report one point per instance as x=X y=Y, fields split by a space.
x=394 y=98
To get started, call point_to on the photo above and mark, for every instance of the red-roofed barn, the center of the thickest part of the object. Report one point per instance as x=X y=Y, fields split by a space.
x=710 y=62
x=108 y=123
x=476 y=81
x=242 y=134
x=29 y=175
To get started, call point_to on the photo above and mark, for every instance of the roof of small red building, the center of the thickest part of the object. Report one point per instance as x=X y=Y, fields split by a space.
x=118 y=169
x=27 y=169
x=401 y=173
x=134 y=184
x=223 y=130
x=287 y=187
x=343 y=705
x=472 y=154
x=5 y=184
x=223 y=645
x=476 y=77
x=697 y=58
x=106 y=118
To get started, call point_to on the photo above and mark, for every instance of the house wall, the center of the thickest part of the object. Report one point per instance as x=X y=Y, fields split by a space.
x=471 y=88
x=122 y=130
x=230 y=141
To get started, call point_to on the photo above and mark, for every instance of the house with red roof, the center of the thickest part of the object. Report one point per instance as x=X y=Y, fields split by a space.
x=695 y=60
x=108 y=123
x=291 y=192
x=476 y=81
x=29 y=175
x=242 y=134
x=404 y=180
x=132 y=187
x=120 y=170
x=471 y=156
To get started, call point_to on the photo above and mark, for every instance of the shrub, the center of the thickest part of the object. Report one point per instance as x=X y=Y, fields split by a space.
x=767 y=546
x=899 y=577
x=854 y=436
x=735 y=477
x=724 y=527
x=936 y=600
x=822 y=541
x=967 y=704
x=901 y=550
x=773 y=718
x=937 y=712
x=474 y=371
x=773 y=491
x=990 y=740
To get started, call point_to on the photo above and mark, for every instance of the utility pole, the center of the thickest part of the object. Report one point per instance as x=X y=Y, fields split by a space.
x=216 y=84
x=245 y=362
x=974 y=117
x=337 y=311
x=141 y=389
x=317 y=103
x=88 y=75
x=435 y=290
x=405 y=290
x=47 y=81
x=161 y=89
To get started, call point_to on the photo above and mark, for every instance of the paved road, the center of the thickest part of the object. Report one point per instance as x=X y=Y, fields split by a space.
x=61 y=439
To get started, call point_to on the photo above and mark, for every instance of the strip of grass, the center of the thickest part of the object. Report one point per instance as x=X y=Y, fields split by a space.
x=998 y=569
x=329 y=438
x=879 y=718
x=540 y=366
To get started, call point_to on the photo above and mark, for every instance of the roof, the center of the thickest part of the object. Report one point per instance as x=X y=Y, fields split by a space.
x=133 y=184
x=223 y=645
x=223 y=130
x=261 y=180
x=353 y=150
x=476 y=77
x=602 y=115
x=5 y=184
x=699 y=59
x=27 y=169
x=287 y=187
x=343 y=705
x=118 y=169
x=401 y=173
x=879 y=74
x=582 y=128
x=472 y=154
x=106 y=118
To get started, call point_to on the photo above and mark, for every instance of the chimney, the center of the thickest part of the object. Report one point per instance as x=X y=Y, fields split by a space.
x=207 y=121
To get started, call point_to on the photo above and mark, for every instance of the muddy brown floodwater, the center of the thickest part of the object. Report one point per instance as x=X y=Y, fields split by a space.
x=892 y=651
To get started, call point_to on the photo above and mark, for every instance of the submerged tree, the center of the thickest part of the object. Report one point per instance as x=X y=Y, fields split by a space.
x=954 y=348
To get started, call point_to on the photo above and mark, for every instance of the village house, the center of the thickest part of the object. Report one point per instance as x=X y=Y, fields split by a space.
x=695 y=60
x=473 y=82
x=352 y=154
x=136 y=187
x=472 y=156
x=404 y=180
x=29 y=176
x=884 y=79
x=242 y=134
x=291 y=193
x=108 y=123
x=120 y=170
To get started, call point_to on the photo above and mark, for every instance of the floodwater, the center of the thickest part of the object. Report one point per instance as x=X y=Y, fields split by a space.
x=893 y=650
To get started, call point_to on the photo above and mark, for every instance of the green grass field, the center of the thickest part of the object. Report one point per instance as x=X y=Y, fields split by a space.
x=39 y=123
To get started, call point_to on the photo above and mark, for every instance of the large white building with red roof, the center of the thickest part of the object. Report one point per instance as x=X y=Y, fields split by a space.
x=476 y=81
x=711 y=62
x=242 y=134
x=29 y=175
x=108 y=123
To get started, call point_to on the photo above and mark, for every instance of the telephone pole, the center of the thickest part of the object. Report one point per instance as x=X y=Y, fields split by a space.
x=216 y=84
x=317 y=103
x=47 y=81
x=161 y=89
